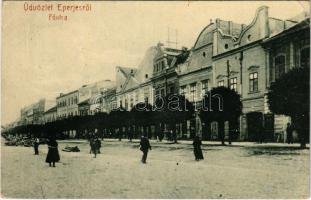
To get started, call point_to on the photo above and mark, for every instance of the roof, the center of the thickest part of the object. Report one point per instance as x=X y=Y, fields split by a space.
x=181 y=58
x=127 y=72
x=130 y=79
x=205 y=36
x=53 y=109
x=305 y=24
x=66 y=94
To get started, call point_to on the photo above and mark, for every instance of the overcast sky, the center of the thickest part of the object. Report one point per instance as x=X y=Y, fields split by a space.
x=41 y=58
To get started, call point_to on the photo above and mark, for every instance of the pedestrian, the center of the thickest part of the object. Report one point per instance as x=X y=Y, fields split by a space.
x=53 y=155
x=289 y=133
x=130 y=135
x=197 y=148
x=91 y=144
x=36 y=146
x=144 y=147
x=97 y=145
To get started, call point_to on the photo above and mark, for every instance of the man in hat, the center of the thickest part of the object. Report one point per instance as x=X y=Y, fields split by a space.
x=144 y=147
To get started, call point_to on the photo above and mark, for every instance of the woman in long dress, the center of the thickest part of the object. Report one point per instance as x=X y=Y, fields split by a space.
x=197 y=148
x=53 y=155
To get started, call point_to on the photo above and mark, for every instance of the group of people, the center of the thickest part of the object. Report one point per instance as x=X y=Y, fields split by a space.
x=95 y=143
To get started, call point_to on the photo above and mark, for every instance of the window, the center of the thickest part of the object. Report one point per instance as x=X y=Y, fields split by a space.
x=146 y=100
x=205 y=84
x=126 y=104
x=183 y=90
x=204 y=54
x=157 y=93
x=146 y=75
x=136 y=97
x=233 y=83
x=279 y=64
x=253 y=82
x=171 y=89
x=221 y=83
x=226 y=46
x=193 y=90
x=305 y=57
x=162 y=92
x=131 y=102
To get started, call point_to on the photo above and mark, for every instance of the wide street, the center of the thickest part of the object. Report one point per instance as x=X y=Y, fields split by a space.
x=244 y=170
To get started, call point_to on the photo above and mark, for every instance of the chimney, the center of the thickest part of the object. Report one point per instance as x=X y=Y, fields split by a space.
x=217 y=23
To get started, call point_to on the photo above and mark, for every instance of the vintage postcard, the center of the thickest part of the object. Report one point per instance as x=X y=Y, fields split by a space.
x=155 y=99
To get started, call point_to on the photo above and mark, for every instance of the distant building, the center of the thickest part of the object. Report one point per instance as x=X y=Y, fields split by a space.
x=109 y=101
x=93 y=89
x=67 y=104
x=50 y=115
x=34 y=113
x=84 y=107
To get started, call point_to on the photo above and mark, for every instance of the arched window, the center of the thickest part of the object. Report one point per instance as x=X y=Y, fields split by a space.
x=305 y=57
x=279 y=64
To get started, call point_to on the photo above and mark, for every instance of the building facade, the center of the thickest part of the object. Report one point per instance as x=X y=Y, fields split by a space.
x=50 y=115
x=34 y=113
x=67 y=104
x=133 y=85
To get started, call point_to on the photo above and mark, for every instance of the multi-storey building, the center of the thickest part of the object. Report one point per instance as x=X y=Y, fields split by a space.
x=34 y=113
x=197 y=75
x=287 y=50
x=67 y=104
x=50 y=115
x=93 y=89
x=164 y=77
x=232 y=55
x=133 y=85
x=109 y=101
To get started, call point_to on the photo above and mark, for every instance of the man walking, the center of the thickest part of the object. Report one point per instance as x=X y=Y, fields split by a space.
x=144 y=147
x=36 y=146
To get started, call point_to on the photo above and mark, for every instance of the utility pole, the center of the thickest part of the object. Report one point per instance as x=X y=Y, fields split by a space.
x=228 y=74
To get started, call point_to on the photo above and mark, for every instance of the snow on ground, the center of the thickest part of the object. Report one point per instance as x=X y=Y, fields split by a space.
x=245 y=170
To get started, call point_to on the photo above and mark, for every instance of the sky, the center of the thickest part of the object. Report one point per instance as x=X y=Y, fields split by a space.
x=42 y=58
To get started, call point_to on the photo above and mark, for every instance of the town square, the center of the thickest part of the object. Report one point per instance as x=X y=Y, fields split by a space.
x=156 y=100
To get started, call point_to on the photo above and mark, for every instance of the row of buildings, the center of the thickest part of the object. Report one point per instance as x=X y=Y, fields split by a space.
x=245 y=58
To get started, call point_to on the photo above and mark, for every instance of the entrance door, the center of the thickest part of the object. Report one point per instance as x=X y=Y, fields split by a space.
x=269 y=127
x=254 y=126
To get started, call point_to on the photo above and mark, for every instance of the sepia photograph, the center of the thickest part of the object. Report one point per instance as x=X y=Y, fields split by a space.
x=155 y=99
